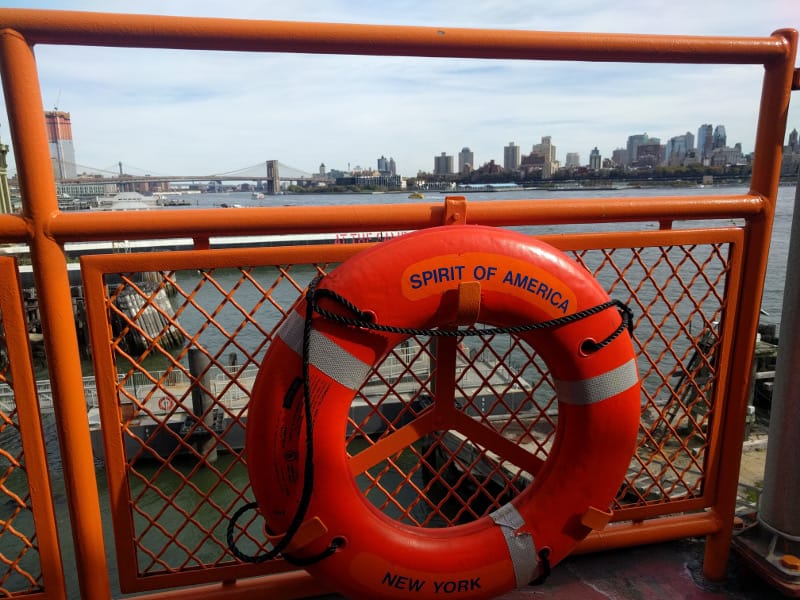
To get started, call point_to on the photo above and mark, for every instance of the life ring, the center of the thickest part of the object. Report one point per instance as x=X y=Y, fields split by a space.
x=164 y=403
x=411 y=281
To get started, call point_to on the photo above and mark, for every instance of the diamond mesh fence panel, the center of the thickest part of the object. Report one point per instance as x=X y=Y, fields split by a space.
x=187 y=345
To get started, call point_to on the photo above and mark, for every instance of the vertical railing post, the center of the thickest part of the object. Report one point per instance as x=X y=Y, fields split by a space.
x=37 y=187
x=772 y=546
x=776 y=91
x=778 y=507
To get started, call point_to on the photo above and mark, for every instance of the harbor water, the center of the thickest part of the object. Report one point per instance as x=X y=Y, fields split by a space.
x=776 y=271
x=251 y=338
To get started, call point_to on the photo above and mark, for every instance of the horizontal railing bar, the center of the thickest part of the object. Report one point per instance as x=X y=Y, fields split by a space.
x=152 y=31
x=104 y=226
x=650 y=532
x=13 y=228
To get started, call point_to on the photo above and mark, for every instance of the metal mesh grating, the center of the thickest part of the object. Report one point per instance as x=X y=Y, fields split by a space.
x=187 y=345
x=20 y=557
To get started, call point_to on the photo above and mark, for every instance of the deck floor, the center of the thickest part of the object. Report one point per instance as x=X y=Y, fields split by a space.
x=658 y=571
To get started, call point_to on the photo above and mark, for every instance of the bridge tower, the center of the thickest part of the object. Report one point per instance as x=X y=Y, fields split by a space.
x=273 y=177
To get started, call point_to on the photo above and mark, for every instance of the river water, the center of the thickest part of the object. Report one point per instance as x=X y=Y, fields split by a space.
x=771 y=301
x=776 y=270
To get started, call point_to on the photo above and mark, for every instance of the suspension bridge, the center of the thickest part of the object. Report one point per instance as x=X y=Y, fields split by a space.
x=269 y=172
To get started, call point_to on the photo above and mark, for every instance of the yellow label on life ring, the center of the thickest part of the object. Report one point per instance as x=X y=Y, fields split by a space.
x=529 y=282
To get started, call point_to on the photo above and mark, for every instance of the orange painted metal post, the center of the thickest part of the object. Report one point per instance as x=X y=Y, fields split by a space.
x=30 y=427
x=37 y=185
x=776 y=92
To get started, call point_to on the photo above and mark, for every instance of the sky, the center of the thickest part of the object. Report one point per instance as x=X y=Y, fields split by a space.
x=168 y=112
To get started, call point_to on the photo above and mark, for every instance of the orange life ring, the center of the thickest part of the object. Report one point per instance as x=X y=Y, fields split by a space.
x=164 y=403
x=411 y=282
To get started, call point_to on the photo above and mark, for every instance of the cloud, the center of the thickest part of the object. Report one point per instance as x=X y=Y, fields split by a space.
x=178 y=112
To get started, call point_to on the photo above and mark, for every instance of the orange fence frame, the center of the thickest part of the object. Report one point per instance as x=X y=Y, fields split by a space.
x=46 y=229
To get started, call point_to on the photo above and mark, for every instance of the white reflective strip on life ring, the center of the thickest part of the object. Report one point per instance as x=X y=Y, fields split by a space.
x=325 y=355
x=521 y=548
x=598 y=388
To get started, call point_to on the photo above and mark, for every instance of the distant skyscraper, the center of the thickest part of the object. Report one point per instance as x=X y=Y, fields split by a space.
x=705 y=136
x=383 y=165
x=443 y=164
x=466 y=160
x=793 y=145
x=619 y=157
x=719 y=139
x=392 y=167
x=573 y=160
x=595 y=160
x=59 y=138
x=678 y=147
x=634 y=141
x=547 y=150
x=511 y=157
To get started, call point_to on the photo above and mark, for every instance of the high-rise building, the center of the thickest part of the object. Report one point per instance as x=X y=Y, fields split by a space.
x=383 y=165
x=677 y=148
x=619 y=157
x=511 y=157
x=443 y=164
x=705 y=136
x=650 y=154
x=547 y=150
x=59 y=138
x=573 y=160
x=719 y=139
x=634 y=141
x=466 y=160
x=595 y=160
x=392 y=167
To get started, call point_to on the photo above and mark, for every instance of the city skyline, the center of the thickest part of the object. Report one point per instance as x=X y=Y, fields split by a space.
x=170 y=112
x=673 y=145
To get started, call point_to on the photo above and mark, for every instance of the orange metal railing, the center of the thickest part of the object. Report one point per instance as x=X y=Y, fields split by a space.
x=149 y=314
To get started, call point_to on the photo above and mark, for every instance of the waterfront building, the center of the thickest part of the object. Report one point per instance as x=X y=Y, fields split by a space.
x=790 y=165
x=634 y=143
x=705 y=136
x=370 y=179
x=85 y=188
x=511 y=157
x=619 y=157
x=541 y=159
x=573 y=160
x=443 y=164
x=649 y=155
x=724 y=156
x=59 y=139
x=547 y=151
x=719 y=139
x=595 y=160
x=677 y=148
x=466 y=160
x=692 y=158
x=387 y=166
